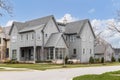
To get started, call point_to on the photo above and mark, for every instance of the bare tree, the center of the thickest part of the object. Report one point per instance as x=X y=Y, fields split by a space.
x=5 y=6
x=114 y=25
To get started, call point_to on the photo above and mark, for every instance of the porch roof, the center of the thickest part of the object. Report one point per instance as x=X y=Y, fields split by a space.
x=52 y=41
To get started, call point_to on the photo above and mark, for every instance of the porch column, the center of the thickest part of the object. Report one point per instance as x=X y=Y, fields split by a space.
x=54 y=53
x=34 y=54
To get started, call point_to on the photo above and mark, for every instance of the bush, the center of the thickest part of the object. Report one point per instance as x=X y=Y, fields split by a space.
x=112 y=59
x=97 y=60
x=11 y=62
x=91 y=60
x=102 y=60
x=66 y=60
x=119 y=59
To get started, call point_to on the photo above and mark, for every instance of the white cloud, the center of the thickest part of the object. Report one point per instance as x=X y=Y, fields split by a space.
x=107 y=34
x=68 y=17
x=91 y=10
x=9 y=23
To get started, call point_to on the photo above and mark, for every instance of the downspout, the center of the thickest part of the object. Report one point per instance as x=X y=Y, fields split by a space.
x=34 y=46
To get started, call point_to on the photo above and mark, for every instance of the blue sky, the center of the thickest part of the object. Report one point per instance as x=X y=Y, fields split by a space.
x=98 y=11
x=93 y=9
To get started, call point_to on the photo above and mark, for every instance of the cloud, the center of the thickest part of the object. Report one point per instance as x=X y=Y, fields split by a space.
x=91 y=10
x=9 y=23
x=107 y=34
x=68 y=17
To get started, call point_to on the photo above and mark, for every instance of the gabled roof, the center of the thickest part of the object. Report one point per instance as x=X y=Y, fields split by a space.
x=29 y=25
x=117 y=50
x=101 y=46
x=52 y=41
x=77 y=27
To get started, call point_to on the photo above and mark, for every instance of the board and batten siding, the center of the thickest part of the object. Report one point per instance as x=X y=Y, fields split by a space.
x=87 y=43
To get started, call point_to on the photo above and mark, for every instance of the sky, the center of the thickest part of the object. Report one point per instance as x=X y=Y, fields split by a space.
x=99 y=12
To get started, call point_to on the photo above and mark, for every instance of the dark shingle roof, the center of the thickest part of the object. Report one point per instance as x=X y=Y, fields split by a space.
x=32 y=23
x=52 y=41
x=75 y=27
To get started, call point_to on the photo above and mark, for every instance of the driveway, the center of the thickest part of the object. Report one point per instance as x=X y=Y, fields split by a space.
x=55 y=74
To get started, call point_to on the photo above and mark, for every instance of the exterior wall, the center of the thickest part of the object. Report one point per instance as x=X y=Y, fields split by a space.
x=75 y=44
x=49 y=29
x=109 y=53
x=87 y=44
x=14 y=40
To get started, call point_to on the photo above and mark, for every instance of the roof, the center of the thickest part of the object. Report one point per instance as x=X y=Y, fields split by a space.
x=117 y=50
x=52 y=41
x=101 y=46
x=32 y=24
x=75 y=27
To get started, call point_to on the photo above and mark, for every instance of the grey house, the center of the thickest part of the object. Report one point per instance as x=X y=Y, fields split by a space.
x=80 y=38
x=37 y=40
x=117 y=53
x=103 y=49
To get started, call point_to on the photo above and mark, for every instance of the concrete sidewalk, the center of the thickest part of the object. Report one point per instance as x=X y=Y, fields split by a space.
x=56 y=74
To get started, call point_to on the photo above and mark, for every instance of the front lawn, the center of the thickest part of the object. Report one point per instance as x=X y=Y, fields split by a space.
x=54 y=66
x=106 y=76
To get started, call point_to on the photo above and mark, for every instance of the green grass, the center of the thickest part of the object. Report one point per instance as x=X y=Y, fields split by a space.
x=54 y=66
x=106 y=76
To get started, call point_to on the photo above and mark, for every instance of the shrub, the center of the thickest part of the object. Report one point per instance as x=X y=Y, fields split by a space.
x=91 y=60
x=102 y=60
x=119 y=59
x=97 y=60
x=112 y=59
x=66 y=60
x=11 y=62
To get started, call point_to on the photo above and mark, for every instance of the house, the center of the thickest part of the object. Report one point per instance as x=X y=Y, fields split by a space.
x=117 y=53
x=103 y=49
x=4 y=43
x=37 y=40
x=80 y=38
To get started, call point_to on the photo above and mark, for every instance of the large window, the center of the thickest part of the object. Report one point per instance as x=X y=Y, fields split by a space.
x=72 y=38
x=59 y=52
x=14 y=53
x=83 y=51
x=50 y=53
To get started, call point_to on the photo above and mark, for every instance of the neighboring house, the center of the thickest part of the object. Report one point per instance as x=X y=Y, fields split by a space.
x=117 y=53
x=37 y=40
x=103 y=49
x=4 y=46
x=80 y=38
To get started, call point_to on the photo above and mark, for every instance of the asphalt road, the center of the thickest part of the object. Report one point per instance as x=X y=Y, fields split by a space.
x=55 y=74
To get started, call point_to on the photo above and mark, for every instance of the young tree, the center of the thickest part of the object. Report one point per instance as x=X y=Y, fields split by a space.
x=5 y=6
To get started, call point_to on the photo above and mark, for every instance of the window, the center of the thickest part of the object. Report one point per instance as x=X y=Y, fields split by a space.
x=26 y=36
x=32 y=36
x=22 y=54
x=72 y=38
x=14 y=54
x=83 y=51
x=59 y=53
x=74 y=51
x=90 y=51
